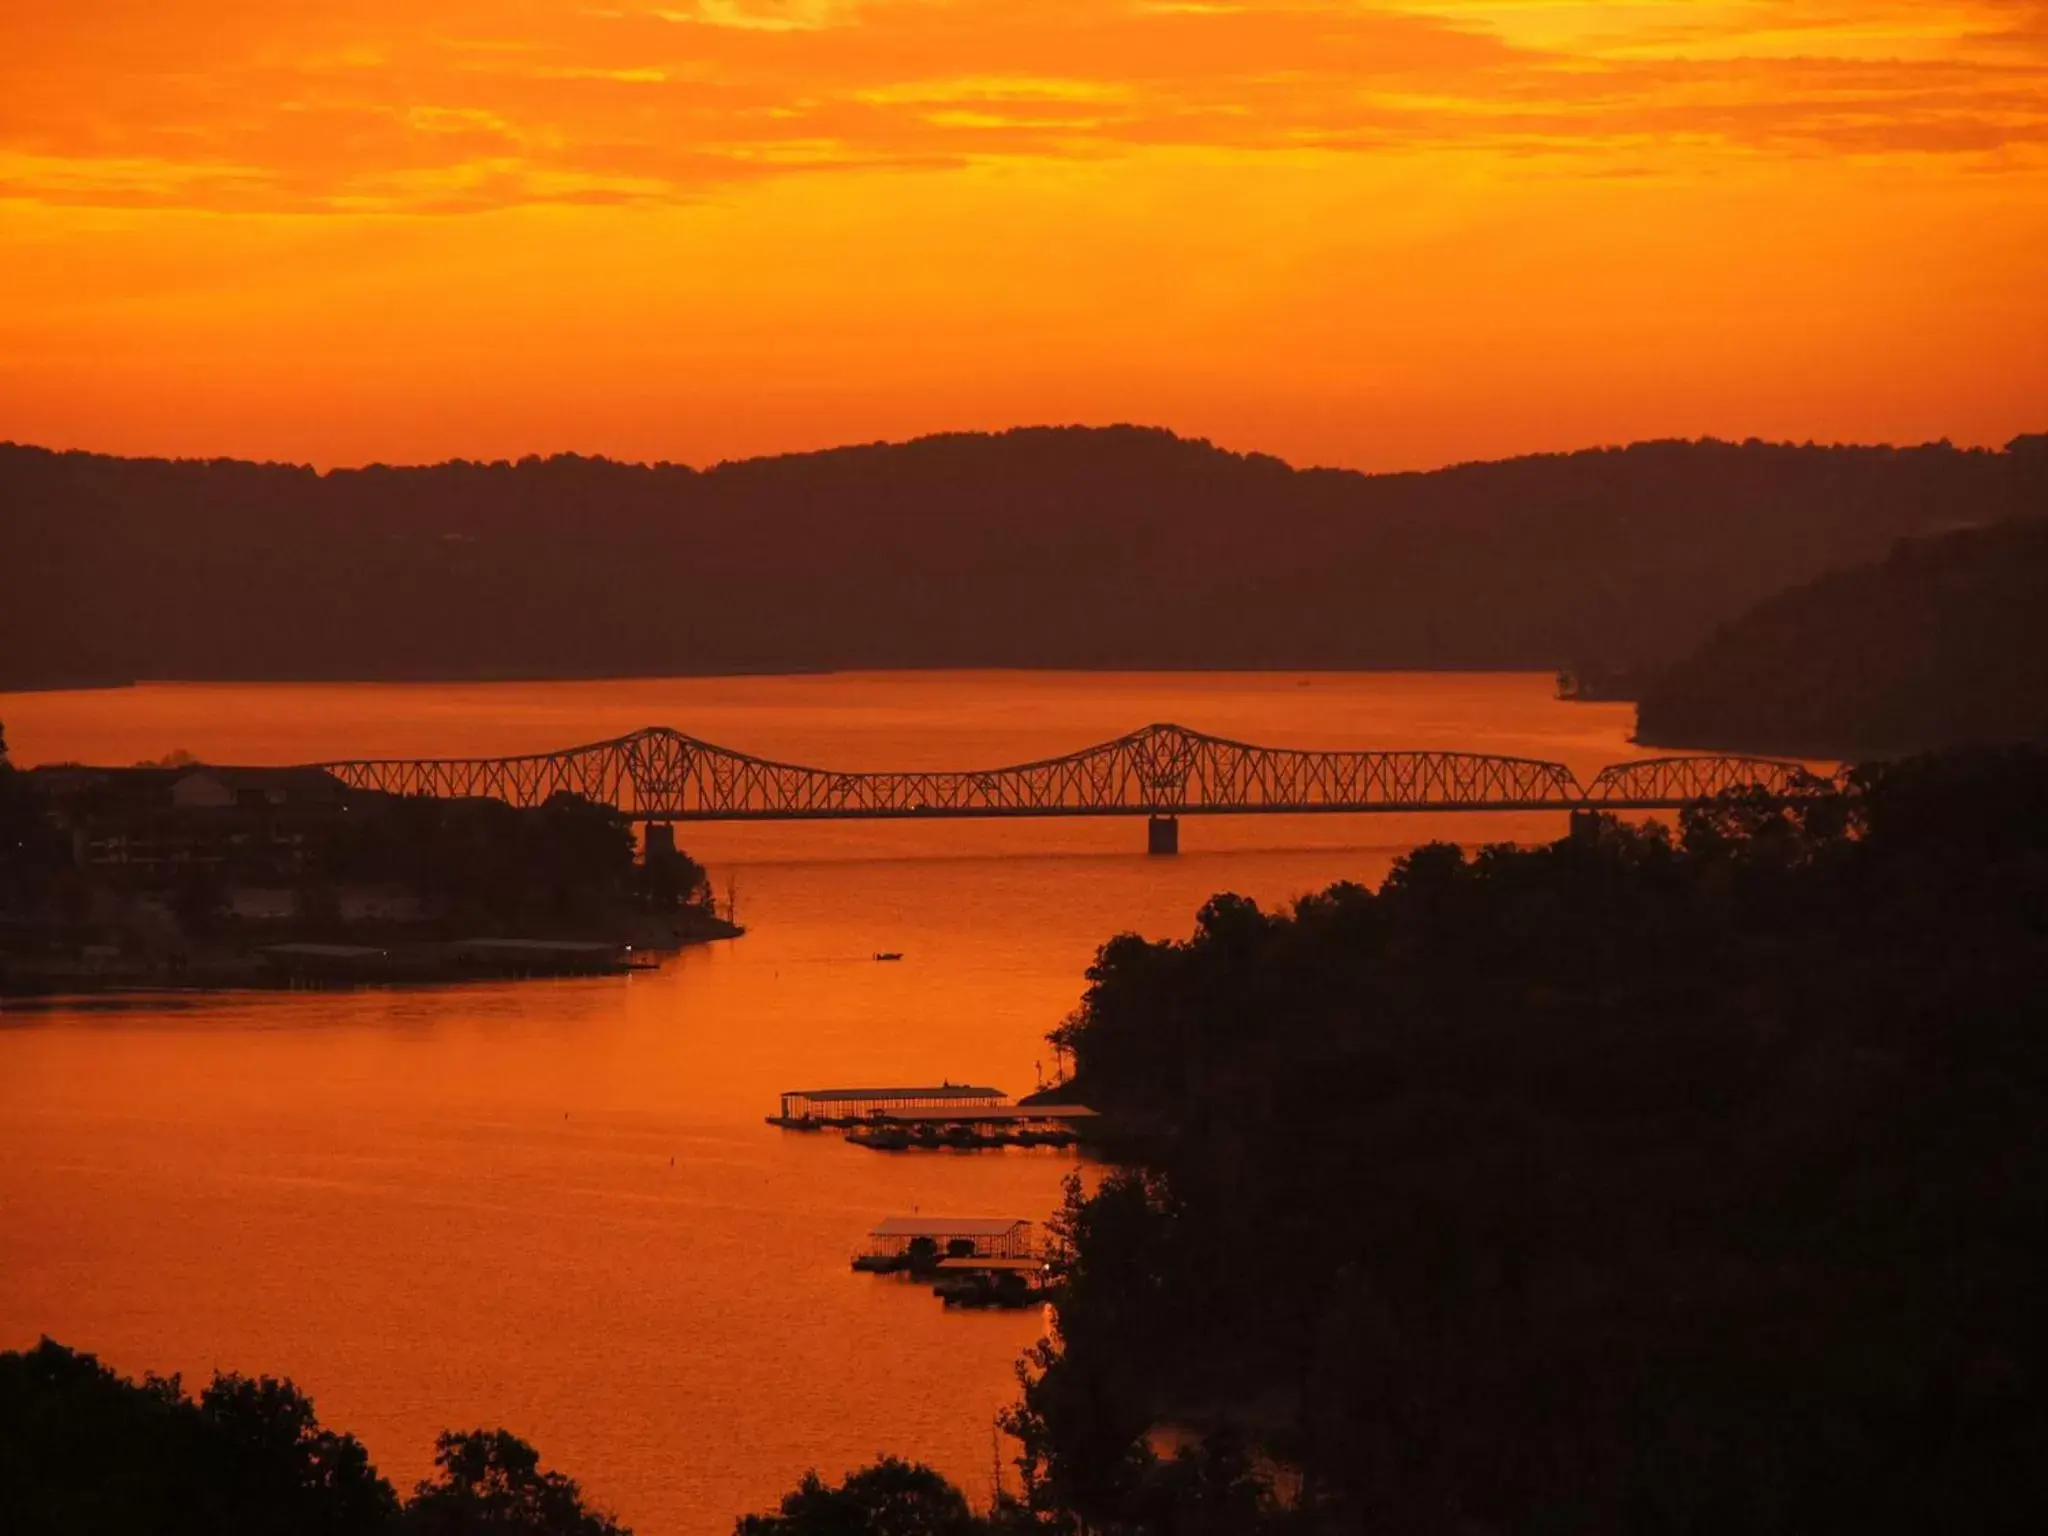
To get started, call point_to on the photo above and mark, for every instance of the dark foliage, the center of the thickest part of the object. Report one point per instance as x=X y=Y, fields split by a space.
x=30 y=851
x=489 y=1483
x=1942 y=644
x=18 y=815
x=1621 y=1185
x=888 y=1498
x=85 y=1452
x=1046 y=546
x=488 y=863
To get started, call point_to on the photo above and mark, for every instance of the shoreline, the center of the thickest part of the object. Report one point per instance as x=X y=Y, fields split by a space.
x=302 y=965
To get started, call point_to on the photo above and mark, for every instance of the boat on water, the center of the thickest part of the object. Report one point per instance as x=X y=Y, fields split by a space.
x=994 y=1282
x=888 y=954
x=880 y=1138
x=1047 y=1136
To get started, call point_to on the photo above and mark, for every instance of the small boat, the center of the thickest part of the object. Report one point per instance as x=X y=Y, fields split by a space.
x=880 y=1138
x=888 y=954
x=1006 y=1291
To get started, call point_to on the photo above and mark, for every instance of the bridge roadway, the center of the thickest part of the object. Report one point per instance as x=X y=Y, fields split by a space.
x=1162 y=772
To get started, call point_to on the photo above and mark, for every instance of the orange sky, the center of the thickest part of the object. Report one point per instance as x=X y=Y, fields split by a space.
x=1382 y=235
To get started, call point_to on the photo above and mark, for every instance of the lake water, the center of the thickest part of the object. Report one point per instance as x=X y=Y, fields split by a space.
x=554 y=1206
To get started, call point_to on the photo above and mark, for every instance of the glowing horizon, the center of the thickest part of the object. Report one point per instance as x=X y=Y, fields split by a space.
x=704 y=465
x=1383 y=236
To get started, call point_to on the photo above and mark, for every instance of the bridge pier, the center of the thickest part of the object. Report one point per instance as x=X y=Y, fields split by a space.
x=1162 y=835
x=663 y=865
x=660 y=844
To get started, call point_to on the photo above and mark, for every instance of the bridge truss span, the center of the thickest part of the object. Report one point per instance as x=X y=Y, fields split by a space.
x=661 y=775
x=1660 y=782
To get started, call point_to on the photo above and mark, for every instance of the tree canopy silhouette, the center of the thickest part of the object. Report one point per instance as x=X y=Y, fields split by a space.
x=490 y=1483
x=86 y=1452
x=888 y=1498
x=1626 y=1184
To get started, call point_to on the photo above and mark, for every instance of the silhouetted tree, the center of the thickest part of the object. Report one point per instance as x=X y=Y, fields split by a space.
x=490 y=1483
x=889 y=1498
x=488 y=864
x=287 y=1475
x=84 y=1452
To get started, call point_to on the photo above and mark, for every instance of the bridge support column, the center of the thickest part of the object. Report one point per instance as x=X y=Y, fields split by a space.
x=662 y=882
x=1162 y=835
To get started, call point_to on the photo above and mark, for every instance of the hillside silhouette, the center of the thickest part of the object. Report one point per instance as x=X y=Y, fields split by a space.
x=1112 y=547
x=1637 y=1183
x=1943 y=643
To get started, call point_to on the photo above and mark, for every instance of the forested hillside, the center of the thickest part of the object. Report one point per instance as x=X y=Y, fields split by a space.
x=1636 y=1183
x=1942 y=643
x=1117 y=547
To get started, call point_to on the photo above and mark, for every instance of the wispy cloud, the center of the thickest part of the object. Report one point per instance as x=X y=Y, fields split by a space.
x=457 y=104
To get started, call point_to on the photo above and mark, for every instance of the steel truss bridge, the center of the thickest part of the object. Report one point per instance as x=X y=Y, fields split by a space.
x=1161 y=771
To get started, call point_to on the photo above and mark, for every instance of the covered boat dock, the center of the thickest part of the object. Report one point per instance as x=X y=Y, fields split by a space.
x=954 y=1237
x=816 y=1106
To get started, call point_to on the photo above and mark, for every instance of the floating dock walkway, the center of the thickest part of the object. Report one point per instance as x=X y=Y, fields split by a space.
x=957 y=1115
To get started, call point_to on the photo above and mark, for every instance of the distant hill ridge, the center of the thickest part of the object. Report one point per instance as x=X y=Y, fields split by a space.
x=1040 y=546
x=1943 y=643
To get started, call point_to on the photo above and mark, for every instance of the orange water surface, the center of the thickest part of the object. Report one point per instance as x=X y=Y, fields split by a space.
x=554 y=1205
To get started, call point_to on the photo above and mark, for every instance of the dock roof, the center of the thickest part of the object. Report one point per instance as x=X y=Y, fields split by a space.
x=998 y=1114
x=948 y=1226
x=847 y=1095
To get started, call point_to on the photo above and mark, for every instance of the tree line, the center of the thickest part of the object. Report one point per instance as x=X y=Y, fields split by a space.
x=1113 y=547
x=85 y=1451
x=1941 y=644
